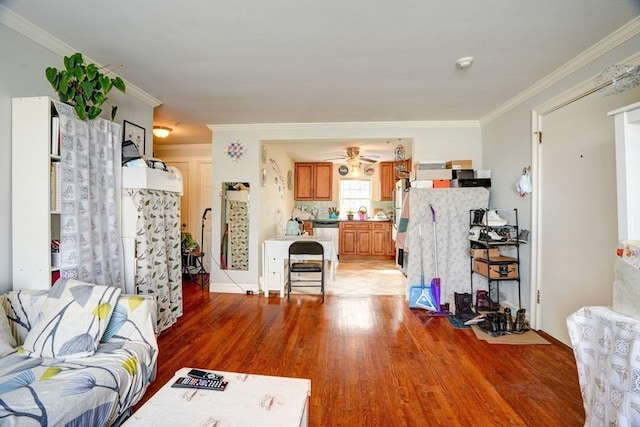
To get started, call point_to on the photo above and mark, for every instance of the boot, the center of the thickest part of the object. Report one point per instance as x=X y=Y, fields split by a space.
x=463 y=304
x=502 y=323
x=482 y=300
x=478 y=214
x=490 y=325
x=520 y=325
x=508 y=320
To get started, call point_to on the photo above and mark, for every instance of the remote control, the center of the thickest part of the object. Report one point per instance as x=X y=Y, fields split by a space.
x=204 y=375
x=187 y=382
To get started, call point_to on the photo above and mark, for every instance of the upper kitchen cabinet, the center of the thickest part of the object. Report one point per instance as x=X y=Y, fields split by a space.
x=387 y=180
x=388 y=177
x=313 y=181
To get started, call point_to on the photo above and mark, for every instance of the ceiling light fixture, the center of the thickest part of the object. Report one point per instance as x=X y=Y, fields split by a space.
x=161 y=131
x=464 y=62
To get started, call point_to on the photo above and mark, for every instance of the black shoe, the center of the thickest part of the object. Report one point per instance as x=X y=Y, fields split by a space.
x=490 y=324
x=508 y=320
x=520 y=325
x=502 y=323
x=463 y=304
x=478 y=214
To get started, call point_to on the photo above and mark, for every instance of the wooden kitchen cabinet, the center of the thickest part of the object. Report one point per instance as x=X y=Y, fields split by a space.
x=365 y=240
x=313 y=181
x=388 y=177
x=387 y=180
x=381 y=238
x=308 y=227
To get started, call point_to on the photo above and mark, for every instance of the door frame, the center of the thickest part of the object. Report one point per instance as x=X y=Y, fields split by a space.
x=537 y=136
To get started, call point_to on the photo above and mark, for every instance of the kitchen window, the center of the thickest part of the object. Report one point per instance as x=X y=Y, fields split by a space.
x=354 y=193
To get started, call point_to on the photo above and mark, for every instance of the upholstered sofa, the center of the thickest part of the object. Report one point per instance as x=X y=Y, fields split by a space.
x=78 y=355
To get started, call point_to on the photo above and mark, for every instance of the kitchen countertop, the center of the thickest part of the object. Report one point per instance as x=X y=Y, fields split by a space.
x=352 y=220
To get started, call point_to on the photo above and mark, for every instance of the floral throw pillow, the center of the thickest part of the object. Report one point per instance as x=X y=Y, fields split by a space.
x=7 y=341
x=73 y=318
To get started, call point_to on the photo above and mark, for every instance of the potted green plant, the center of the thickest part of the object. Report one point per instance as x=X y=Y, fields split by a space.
x=349 y=214
x=83 y=86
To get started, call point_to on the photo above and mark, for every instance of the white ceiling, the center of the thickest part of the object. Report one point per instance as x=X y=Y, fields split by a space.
x=303 y=61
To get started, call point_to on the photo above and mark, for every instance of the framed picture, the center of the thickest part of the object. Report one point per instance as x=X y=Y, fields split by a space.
x=135 y=133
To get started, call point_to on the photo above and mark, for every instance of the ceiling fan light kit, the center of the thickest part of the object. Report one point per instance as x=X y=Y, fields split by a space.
x=353 y=157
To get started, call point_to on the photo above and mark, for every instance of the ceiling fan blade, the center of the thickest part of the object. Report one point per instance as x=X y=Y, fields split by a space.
x=368 y=160
x=335 y=158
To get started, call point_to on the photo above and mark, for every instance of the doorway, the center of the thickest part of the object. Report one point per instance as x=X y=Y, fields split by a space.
x=577 y=216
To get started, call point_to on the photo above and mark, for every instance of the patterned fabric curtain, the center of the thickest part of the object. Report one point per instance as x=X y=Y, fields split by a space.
x=91 y=246
x=239 y=235
x=159 y=262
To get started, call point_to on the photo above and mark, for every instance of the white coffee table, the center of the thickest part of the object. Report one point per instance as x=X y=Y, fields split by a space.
x=249 y=400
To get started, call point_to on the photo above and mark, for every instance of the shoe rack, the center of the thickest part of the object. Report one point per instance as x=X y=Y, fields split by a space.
x=494 y=248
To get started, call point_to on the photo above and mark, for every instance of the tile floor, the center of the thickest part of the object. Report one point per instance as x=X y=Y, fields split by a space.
x=364 y=278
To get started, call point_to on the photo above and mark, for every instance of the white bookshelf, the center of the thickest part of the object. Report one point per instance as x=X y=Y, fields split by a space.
x=34 y=223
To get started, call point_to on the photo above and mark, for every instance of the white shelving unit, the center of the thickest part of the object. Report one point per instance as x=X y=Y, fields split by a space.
x=34 y=224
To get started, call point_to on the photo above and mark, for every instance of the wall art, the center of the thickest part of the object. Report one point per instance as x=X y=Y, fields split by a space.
x=235 y=150
x=135 y=133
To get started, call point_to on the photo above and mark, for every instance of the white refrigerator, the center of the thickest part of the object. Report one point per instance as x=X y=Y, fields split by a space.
x=400 y=192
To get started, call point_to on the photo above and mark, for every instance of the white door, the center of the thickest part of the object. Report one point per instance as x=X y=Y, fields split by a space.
x=578 y=216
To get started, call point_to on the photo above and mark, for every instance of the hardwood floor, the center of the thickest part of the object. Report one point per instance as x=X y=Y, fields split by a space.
x=374 y=362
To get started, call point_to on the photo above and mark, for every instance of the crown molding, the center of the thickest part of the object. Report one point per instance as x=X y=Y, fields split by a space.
x=347 y=125
x=621 y=35
x=43 y=38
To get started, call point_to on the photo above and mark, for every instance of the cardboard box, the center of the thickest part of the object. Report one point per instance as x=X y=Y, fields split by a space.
x=462 y=173
x=424 y=183
x=482 y=173
x=459 y=164
x=476 y=182
x=435 y=164
x=441 y=183
x=484 y=253
x=430 y=174
x=498 y=269
x=428 y=183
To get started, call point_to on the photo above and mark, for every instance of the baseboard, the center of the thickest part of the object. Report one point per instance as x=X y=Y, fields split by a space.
x=233 y=288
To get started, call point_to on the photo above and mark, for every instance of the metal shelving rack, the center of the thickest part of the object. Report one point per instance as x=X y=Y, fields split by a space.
x=487 y=251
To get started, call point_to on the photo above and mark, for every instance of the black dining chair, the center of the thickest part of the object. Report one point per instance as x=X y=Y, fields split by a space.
x=313 y=262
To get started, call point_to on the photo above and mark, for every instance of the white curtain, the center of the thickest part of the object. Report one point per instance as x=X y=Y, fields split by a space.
x=90 y=247
x=159 y=262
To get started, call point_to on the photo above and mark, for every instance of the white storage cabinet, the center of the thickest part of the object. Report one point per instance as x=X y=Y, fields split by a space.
x=34 y=223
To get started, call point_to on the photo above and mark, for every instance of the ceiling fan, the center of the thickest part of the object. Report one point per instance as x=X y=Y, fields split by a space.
x=353 y=156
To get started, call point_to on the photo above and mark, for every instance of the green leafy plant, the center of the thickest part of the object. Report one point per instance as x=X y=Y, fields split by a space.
x=83 y=86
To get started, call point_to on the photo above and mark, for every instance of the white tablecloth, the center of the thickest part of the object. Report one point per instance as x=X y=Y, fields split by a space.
x=606 y=345
x=276 y=251
x=249 y=400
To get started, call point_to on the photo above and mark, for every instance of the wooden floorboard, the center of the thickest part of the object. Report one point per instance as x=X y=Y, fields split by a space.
x=374 y=362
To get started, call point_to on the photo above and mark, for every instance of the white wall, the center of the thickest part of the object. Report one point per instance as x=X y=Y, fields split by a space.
x=432 y=140
x=22 y=65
